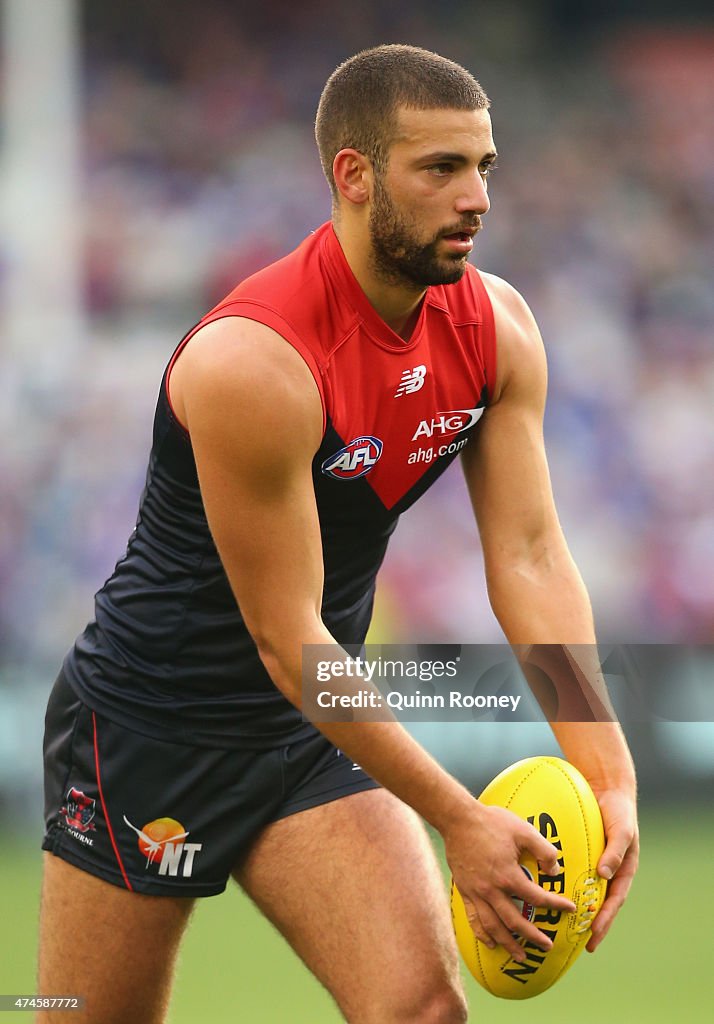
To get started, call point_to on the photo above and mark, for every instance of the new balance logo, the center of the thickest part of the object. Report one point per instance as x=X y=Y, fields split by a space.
x=412 y=380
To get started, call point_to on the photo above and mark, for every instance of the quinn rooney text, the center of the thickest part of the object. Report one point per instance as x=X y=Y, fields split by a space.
x=400 y=701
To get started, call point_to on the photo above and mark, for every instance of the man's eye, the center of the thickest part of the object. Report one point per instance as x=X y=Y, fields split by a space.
x=440 y=169
x=486 y=169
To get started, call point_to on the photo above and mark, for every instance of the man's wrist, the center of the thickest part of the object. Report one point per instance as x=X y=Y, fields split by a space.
x=599 y=750
x=453 y=811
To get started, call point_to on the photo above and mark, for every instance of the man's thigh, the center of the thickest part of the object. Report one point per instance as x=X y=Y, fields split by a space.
x=355 y=888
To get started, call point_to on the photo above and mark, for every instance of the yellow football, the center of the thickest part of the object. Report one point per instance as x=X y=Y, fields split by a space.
x=554 y=797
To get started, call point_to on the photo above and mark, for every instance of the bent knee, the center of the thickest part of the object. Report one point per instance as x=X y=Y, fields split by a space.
x=443 y=1004
x=445 y=1007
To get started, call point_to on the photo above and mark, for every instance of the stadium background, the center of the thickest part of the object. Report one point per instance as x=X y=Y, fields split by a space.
x=152 y=154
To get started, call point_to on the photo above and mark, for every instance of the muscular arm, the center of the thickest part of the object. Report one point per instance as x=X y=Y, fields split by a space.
x=534 y=586
x=253 y=413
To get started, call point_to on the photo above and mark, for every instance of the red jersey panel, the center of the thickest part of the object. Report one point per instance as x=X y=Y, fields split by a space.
x=401 y=408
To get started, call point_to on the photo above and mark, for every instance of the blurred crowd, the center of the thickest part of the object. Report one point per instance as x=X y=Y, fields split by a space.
x=200 y=167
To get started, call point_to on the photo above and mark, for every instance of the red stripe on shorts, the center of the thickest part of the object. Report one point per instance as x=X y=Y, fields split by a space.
x=104 y=807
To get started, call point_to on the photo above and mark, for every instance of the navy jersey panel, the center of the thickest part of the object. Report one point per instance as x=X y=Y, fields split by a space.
x=168 y=653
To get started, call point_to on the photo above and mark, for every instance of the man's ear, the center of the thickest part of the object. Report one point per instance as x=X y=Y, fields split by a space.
x=353 y=176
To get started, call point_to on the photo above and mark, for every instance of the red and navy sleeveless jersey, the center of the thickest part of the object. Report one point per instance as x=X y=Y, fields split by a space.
x=168 y=653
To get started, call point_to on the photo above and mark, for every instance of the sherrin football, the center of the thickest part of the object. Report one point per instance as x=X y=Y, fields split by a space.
x=554 y=797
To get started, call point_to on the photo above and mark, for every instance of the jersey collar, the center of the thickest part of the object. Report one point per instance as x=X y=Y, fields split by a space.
x=338 y=269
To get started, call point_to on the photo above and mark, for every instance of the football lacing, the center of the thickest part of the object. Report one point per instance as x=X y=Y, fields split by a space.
x=588 y=912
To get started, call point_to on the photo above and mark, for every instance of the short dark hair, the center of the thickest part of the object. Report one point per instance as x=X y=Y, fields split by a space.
x=359 y=103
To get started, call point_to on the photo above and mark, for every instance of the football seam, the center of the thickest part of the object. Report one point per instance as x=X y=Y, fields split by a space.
x=555 y=764
x=481 y=967
x=531 y=771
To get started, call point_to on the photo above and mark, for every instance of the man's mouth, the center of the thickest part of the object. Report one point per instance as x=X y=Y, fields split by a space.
x=461 y=242
x=465 y=235
x=461 y=236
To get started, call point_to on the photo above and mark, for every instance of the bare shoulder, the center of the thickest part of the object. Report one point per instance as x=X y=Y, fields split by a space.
x=521 y=355
x=508 y=303
x=237 y=374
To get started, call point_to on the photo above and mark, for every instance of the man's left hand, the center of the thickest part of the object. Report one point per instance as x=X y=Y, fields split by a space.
x=620 y=858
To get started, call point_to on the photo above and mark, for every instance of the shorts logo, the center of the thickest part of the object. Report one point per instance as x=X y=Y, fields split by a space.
x=355 y=459
x=446 y=423
x=161 y=841
x=412 y=380
x=78 y=810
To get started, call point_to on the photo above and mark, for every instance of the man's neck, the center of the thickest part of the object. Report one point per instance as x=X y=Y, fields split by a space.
x=398 y=305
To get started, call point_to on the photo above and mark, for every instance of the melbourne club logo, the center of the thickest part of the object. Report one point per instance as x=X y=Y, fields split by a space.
x=79 y=810
x=162 y=841
x=355 y=459
x=412 y=380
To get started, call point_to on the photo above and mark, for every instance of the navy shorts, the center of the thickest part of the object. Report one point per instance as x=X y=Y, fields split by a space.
x=167 y=818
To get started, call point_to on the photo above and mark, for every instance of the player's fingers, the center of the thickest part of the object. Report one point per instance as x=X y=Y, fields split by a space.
x=495 y=920
x=619 y=841
x=509 y=923
x=477 y=927
x=616 y=895
x=537 y=896
x=544 y=852
x=499 y=932
x=515 y=922
x=606 y=916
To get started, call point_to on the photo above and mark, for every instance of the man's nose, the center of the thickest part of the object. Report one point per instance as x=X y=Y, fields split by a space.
x=474 y=198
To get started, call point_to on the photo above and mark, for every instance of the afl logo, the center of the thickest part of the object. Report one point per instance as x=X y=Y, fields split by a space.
x=355 y=459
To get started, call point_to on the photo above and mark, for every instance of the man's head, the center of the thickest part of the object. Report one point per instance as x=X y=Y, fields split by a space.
x=405 y=142
x=361 y=100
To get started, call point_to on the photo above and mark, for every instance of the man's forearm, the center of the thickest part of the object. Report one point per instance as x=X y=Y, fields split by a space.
x=544 y=605
x=542 y=600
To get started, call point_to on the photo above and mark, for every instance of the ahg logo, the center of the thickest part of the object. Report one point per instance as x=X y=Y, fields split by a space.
x=445 y=423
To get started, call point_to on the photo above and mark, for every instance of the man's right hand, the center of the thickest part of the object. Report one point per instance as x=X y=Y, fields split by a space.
x=484 y=850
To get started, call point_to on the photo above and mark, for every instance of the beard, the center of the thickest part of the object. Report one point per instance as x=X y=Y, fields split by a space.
x=399 y=255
